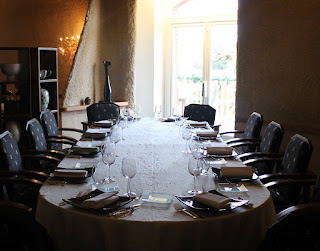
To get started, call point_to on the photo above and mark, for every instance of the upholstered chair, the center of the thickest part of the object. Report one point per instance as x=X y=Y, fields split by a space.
x=199 y=112
x=251 y=131
x=51 y=129
x=269 y=145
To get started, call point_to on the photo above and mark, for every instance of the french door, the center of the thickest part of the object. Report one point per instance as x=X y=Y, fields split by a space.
x=204 y=68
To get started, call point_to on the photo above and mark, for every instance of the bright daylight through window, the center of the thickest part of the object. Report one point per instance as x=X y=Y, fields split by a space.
x=204 y=53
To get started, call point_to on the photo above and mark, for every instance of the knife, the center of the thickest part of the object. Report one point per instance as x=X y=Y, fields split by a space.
x=124 y=211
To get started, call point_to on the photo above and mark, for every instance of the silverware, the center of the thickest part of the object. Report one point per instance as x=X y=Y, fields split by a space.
x=179 y=208
x=125 y=211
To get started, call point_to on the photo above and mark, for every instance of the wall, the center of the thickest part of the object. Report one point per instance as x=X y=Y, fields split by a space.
x=144 y=57
x=38 y=23
x=278 y=66
x=108 y=35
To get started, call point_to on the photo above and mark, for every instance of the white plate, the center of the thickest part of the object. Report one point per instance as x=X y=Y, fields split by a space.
x=158 y=198
x=232 y=188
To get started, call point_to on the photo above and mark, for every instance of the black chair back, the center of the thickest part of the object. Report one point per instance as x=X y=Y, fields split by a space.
x=50 y=127
x=10 y=152
x=102 y=111
x=199 y=112
x=295 y=160
x=270 y=143
x=252 y=130
x=36 y=135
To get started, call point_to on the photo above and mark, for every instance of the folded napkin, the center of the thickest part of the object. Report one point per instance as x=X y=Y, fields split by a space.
x=96 y=132
x=101 y=200
x=67 y=173
x=236 y=171
x=198 y=123
x=213 y=200
x=207 y=133
x=77 y=149
x=219 y=150
x=103 y=123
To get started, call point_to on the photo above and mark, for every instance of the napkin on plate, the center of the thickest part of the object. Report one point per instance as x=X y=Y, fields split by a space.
x=198 y=123
x=101 y=200
x=207 y=133
x=236 y=171
x=77 y=149
x=213 y=200
x=68 y=173
x=219 y=150
x=103 y=123
x=96 y=132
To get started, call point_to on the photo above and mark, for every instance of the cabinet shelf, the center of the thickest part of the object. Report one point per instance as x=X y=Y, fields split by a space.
x=28 y=84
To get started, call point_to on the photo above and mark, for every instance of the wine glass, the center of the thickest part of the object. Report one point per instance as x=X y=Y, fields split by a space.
x=128 y=170
x=136 y=188
x=158 y=110
x=195 y=168
x=186 y=134
x=209 y=182
x=137 y=111
x=115 y=137
x=122 y=124
x=196 y=148
x=108 y=158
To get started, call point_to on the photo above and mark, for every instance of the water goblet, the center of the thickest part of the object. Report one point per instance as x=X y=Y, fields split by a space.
x=122 y=124
x=115 y=137
x=186 y=134
x=196 y=148
x=195 y=168
x=108 y=158
x=137 y=111
x=136 y=188
x=158 y=110
x=128 y=170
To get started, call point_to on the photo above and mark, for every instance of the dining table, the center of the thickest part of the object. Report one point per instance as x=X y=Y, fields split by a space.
x=162 y=168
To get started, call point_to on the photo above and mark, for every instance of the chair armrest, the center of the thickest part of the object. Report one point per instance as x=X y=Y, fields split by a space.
x=244 y=143
x=44 y=157
x=285 y=182
x=251 y=155
x=61 y=141
x=26 y=173
x=235 y=131
x=85 y=125
x=55 y=153
x=305 y=208
x=260 y=160
x=71 y=129
x=215 y=127
x=61 y=137
x=278 y=176
x=237 y=140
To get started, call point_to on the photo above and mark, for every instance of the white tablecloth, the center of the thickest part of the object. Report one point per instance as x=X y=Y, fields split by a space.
x=162 y=168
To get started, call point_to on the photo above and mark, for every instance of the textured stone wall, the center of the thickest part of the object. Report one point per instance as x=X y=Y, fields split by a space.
x=108 y=35
x=278 y=66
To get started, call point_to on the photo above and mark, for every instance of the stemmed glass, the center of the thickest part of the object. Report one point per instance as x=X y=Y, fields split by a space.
x=129 y=170
x=108 y=158
x=122 y=124
x=195 y=168
x=115 y=137
x=158 y=110
x=137 y=111
x=196 y=148
x=186 y=134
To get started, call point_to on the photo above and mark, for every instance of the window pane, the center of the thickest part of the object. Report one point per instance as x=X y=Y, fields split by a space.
x=187 y=66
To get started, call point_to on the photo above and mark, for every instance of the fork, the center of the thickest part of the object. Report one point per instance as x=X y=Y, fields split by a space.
x=179 y=208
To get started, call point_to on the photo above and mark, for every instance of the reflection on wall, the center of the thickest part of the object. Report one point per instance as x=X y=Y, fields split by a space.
x=39 y=23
